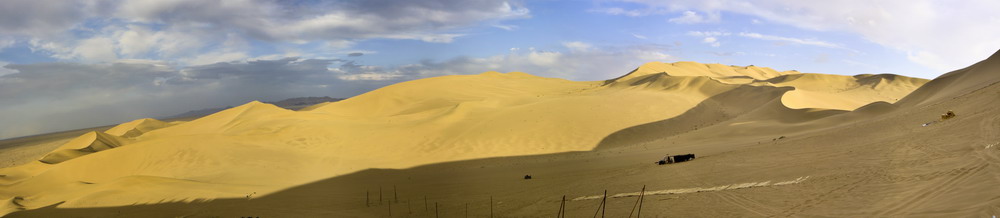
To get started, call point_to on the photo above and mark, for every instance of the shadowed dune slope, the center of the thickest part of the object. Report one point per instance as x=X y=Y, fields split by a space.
x=957 y=82
x=138 y=127
x=259 y=148
x=878 y=161
x=86 y=144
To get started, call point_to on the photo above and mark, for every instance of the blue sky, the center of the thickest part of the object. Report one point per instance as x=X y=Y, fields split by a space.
x=79 y=63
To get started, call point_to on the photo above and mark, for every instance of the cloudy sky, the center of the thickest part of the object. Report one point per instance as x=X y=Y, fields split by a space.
x=71 y=64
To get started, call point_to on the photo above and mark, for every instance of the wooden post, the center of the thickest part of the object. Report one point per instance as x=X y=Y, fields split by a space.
x=559 y=213
x=390 y=209
x=409 y=210
x=601 y=207
x=367 y=198
x=380 y=195
x=394 y=196
x=466 y=210
x=425 y=203
x=436 y=210
x=604 y=204
x=642 y=196
x=562 y=208
x=638 y=202
x=491 y=206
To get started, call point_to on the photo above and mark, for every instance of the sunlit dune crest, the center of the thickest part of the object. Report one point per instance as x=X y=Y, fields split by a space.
x=415 y=123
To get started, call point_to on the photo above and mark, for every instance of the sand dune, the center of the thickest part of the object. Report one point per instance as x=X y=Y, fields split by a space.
x=843 y=92
x=138 y=127
x=957 y=82
x=260 y=148
x=718 y=71
x=86 y=144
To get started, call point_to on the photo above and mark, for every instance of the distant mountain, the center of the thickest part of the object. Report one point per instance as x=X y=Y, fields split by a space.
x=299 y=103
x=291 y=104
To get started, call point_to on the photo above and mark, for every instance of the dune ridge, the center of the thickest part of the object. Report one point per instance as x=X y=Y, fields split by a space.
x=136 y=128
x=687 y=68
x=261 y=148
x=951 y=84
x=88 y=143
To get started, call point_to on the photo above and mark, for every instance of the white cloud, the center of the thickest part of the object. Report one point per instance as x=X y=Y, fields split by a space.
x=620 y=11
x=928 y=59
x=57 y=50
x=4 y=70
x=577 y=46
x=629 y=12
x=177 y=29
x=691 y=17
x=6 y=42
x=710 y=37
x=135 y=42
x=436 y=38
x=708 y=33
x=582 y=61
x=712 y=41
x=944 y=35
x=370 y=76
x=95 y=49
x=812 y=42
x=216 y=57
x=637 y=36
x=505 y=27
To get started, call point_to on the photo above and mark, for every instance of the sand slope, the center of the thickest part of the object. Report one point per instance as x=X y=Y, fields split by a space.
x=138 y=127
x=957 y=82
x=86 y=144
x=258 y=148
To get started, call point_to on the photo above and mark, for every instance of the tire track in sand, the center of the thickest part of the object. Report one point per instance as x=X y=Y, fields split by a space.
x=736 y=199
x=826 y=196
x=920 y=197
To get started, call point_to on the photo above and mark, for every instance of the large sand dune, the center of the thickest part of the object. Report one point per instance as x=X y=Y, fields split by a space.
x=262 y=150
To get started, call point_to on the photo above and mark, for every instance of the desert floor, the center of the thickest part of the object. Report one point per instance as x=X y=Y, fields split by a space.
x=888 y=165
x=877 y=161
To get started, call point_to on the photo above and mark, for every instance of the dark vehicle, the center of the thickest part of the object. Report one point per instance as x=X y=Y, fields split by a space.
x=675 y=159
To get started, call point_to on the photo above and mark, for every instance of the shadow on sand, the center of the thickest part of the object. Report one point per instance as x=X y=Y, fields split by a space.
x=452 y=185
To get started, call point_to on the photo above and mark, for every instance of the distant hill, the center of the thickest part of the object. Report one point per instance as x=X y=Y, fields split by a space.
x=291 y=104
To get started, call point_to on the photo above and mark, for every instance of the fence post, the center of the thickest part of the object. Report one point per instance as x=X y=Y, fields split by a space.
x=562 y=208
x=642 y=197
x=601 y=207
x=604 y=204
x=638 y=202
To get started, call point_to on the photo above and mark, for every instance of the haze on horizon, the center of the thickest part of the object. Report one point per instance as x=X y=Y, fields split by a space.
x=75 y=64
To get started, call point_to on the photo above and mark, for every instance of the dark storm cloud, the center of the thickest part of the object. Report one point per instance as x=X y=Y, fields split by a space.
x=48 y=97
x=32 y=17
x=316 y=20
x=191 y=31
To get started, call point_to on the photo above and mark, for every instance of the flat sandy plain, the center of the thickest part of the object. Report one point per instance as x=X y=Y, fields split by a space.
x=768 y=143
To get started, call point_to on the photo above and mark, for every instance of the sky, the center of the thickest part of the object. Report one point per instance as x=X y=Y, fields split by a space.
x=69 y=64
